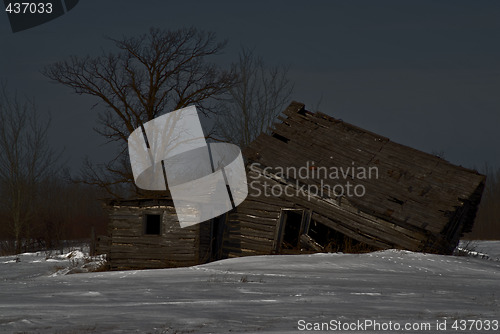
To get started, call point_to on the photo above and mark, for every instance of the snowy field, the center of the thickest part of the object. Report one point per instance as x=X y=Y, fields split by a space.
x=265 y=294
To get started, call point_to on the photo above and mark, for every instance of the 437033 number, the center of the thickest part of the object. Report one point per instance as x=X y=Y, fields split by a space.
x=475 y=325
x=29 y=8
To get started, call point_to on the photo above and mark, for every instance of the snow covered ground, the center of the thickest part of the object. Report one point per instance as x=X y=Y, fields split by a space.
x=270 y=294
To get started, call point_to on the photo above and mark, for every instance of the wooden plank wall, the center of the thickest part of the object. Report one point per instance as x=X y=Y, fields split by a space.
x=131 y=249
x=251 y=228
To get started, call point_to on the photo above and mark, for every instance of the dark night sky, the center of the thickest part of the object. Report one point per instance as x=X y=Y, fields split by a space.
x=423 y=73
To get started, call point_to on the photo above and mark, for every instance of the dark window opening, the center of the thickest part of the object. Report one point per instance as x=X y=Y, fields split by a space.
x=331 y=240
x=152 y=225
x=292 y=221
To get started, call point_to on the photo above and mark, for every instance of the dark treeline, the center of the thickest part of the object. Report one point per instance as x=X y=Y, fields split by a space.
x=39 y=206
x=61 y=211
x=487 y=224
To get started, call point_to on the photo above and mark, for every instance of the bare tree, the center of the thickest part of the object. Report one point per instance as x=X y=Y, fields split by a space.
x=26 y=160
x=151 y=74
x=256 y=100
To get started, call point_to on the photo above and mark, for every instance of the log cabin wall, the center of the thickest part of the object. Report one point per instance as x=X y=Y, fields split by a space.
x=163 y=244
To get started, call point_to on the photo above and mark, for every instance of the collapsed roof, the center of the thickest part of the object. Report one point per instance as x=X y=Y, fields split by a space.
x=405 y=198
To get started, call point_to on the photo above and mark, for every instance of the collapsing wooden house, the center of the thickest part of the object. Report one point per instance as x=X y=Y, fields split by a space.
x=315 y=184
x=318 y=183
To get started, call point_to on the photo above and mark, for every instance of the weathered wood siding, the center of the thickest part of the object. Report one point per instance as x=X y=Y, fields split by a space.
x=130 y=248
x=251 y=228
